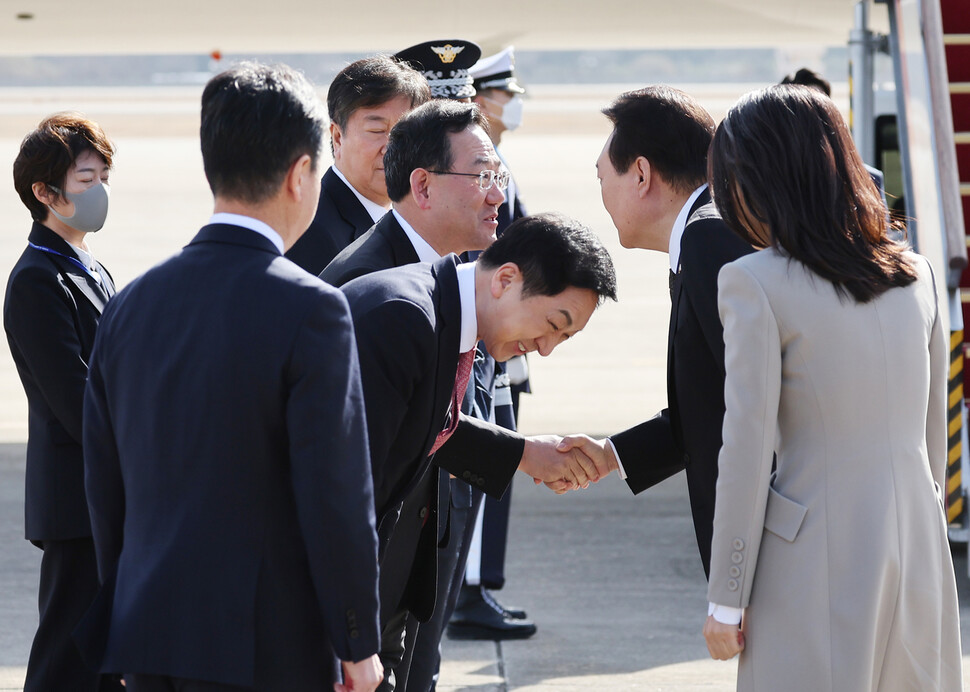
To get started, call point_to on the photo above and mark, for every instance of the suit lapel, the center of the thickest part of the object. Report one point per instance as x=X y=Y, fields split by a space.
x=87 y=285
x=98 y=297
x=448 y=313
x=402 y=251
x=346 y=203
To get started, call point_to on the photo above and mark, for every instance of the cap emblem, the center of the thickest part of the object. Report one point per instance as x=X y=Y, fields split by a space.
x=447 y=52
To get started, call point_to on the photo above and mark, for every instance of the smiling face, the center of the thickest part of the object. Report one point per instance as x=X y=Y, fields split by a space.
x=513 y=324
x=358 y=148
x=464 y=214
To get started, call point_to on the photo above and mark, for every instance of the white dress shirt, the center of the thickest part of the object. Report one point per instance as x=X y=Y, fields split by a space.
x=375 y=210
x=264 y=229
x=426 y=253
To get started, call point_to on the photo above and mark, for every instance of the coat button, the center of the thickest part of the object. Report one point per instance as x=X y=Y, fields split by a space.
x=738 y=544
x=466 y=475
x=480 y=482
x=736 y=558
x=354 y=634
x=423 y=513
x=732 y=584
x=735 y=571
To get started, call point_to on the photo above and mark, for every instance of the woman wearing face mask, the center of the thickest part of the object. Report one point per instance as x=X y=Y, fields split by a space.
x=836 y=365
x=54 y=298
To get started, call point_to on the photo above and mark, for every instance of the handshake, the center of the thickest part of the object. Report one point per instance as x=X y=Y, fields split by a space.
x=567 y=463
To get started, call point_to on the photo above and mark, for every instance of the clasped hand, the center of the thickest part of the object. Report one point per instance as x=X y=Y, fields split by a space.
x=566 y=463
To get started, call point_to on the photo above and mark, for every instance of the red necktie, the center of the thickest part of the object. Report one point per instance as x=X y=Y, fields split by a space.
x=465 y=361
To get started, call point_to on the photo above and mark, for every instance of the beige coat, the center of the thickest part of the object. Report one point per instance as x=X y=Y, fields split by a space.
x=840 y=557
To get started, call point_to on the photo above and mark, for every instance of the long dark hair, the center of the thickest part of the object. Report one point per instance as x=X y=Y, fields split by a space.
x=785 y=154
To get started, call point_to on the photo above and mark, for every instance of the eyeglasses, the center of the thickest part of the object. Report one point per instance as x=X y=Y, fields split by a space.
x=486 y=179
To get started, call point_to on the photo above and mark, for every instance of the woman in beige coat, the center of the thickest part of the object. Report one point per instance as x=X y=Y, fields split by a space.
x=836 y=369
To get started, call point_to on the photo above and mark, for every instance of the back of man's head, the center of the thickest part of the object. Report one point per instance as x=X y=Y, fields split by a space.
x=257 y=120
x=809 y=78
x=371 y=82
x=665 y=126
x=553 y=252
x=420 y=140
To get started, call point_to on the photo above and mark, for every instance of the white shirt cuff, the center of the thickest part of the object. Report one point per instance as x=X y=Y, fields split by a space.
x=726 y=615
x=619 y=463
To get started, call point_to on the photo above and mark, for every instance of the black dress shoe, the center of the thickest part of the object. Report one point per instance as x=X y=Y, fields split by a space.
x=509 y=611
x=476 y=617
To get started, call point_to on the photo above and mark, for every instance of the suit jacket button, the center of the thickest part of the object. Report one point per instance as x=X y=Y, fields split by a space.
x=686 y=459
x=735 y=571
x=732 y=584
x=481 y=482
x=736 y=558
x=466 y=475
x=738 y=544
x=423 y=513
x=354 y=634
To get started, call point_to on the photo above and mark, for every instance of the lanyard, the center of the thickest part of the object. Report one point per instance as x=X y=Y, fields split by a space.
x=92 y=273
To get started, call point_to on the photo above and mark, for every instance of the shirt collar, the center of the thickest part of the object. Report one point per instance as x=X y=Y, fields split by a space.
x=677 y=232
x=466 y=296
x=252 y=224
x=375 y=210
x=425 y=252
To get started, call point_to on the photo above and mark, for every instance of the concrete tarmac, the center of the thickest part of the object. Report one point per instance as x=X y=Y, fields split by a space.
x=613 y=581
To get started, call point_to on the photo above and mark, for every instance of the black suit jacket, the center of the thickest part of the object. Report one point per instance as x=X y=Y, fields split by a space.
x=340 y=219
x=50 y=314
x=476 y=447
x=688 y=432
x=408 y=329
x=228 y=474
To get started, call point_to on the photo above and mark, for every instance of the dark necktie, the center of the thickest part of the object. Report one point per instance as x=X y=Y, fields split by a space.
x=465 y=362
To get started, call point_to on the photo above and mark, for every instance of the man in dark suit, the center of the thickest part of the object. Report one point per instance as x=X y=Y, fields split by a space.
x=365 y=100
x=530 y=290
x=445 y=184
x=225 y=440
x=54 y=299
x=476 y=612
x=653 y=172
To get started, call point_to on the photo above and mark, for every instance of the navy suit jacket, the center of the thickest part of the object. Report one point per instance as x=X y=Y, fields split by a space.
x=228 y=473
x=476 y=446
x=408 y=330
x=50 y=314
x=339 y=220
x=687 y=434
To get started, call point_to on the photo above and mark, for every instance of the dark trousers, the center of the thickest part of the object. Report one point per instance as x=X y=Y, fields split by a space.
x=164 y=683
x=68 y=584
x=423 y=643
x=495 y=534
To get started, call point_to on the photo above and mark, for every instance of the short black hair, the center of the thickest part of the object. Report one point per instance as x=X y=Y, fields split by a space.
x=665 y=126
x=809 y=78
x=371 y=82
x=47 y=154
x=554 y=252
x=420 y=140
x=257 y=120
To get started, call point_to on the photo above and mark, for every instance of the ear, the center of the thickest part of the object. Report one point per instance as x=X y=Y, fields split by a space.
x=504 y=278
x=643 y=170
x=421 y=188
x=336 y=137
x=44 y=194
x=299 y=179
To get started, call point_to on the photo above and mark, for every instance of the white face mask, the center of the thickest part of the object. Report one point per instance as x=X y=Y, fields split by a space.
x=511 y=116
